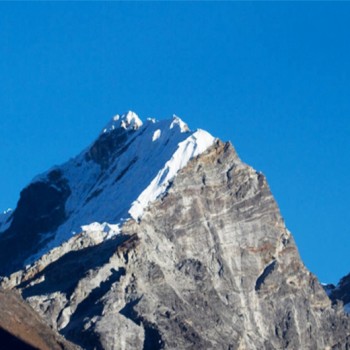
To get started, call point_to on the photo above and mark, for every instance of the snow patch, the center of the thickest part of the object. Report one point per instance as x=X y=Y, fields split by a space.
x=194 y=145
x=156 y=135
x=110 y=229
x=141 y=173
x=130 y=121
x=151 y=120
x=178 y=122
x=127 y=121
x=347 y=308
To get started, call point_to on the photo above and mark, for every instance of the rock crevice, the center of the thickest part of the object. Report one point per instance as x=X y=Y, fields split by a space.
x=210 y=265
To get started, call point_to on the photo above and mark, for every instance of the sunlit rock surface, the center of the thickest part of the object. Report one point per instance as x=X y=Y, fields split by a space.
x=209 y=265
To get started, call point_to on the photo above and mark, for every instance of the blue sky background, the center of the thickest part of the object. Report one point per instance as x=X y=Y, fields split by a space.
x=271 y=77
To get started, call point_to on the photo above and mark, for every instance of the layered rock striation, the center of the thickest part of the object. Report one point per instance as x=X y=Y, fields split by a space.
x=208 y=265
x=125 y=168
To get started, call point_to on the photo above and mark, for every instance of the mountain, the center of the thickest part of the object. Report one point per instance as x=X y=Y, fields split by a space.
x=340 y=293
x=157 y=237
x=21 y=328
x=129 y=165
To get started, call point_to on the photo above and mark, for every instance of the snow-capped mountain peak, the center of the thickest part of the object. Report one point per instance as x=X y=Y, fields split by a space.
x=163 y=254
x=127 y=121
x=181 y=124
x=127 y=167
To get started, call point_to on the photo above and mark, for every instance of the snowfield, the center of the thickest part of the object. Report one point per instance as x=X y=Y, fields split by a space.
x=149 y=158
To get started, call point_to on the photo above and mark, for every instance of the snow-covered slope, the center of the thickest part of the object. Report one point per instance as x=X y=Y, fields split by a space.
x=130 y=165
x=210 y=265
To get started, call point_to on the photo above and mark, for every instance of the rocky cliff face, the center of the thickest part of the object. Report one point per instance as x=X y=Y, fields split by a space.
x=208 y=265
x=125 y=168
x=22 y=329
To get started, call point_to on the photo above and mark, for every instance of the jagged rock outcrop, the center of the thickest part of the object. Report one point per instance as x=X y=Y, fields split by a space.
x=21 y=328
x=209 y=265
x=340 y=293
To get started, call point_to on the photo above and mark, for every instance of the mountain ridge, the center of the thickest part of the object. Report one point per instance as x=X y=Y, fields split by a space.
x=209 y=264
x=126 y=163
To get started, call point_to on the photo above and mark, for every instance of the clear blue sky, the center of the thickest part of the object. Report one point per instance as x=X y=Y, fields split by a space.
x=274 y=78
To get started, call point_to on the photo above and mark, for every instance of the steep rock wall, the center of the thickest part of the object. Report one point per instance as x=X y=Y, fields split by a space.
x=210 y=265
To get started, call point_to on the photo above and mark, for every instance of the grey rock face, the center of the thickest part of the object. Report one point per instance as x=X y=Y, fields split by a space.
x=21 y=328
x=210 y=265
x=98 y=185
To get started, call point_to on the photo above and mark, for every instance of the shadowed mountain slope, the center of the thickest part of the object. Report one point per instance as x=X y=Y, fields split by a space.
x=210 y=265
x=21 y=328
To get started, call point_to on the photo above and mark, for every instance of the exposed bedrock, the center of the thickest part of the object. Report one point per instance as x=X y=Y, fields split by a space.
x=210 y=265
